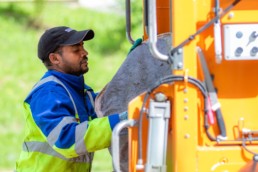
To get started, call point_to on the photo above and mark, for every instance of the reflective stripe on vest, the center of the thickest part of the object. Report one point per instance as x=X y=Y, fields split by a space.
x=45 y=148
x=91 y=98
x=80 y=131
x=55 y=79
x=79 y=134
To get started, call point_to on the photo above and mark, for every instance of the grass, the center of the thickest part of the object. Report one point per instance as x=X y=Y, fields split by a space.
x=20 y=68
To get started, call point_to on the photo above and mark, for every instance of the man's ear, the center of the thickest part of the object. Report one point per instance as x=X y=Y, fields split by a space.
x=54 y=58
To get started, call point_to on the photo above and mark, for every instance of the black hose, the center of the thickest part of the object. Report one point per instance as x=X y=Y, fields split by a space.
x=170 y=79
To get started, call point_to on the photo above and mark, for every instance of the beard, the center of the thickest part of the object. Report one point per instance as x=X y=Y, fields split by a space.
x=78 y=69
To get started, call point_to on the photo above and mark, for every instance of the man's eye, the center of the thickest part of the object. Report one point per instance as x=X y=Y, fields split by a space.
x=76 y=50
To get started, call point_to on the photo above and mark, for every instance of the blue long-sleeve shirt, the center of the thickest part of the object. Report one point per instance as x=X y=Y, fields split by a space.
x=54 y=114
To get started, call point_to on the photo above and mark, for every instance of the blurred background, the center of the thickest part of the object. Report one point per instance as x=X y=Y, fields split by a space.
x=21 y=24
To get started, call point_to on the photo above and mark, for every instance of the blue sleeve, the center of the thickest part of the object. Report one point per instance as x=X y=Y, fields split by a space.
x=113 y=120
x=49 y=106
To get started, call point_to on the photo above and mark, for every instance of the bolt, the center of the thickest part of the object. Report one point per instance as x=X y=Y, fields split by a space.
x=185 y=100
x=179 y=65
x=239 y=51
x=254 y=51
x=160 y=97
x=231 y=15
x=255 y=158
x=179 y=51
x=187 y=136
x=239 y=34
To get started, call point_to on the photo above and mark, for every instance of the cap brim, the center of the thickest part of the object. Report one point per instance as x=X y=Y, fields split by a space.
x=79 y=36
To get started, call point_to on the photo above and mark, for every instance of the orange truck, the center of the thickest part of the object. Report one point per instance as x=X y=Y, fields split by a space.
x=204 y=116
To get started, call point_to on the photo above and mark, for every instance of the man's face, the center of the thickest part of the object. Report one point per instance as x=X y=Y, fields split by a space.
x=73 y=59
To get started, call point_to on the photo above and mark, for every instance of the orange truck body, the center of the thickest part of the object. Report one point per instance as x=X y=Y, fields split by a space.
x=236 y=82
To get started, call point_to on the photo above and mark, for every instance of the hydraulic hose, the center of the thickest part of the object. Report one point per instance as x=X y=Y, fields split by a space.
x=164 y=80
x=215 y=105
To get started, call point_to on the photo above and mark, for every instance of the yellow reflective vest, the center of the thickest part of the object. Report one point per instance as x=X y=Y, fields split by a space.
x=62 y=130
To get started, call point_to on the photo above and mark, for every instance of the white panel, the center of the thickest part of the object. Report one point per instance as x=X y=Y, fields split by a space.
x=241 y=41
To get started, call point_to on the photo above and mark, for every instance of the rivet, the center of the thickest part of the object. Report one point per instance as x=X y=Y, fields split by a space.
x=179 y=65
x=187 y=136
x=180 y=51
x=230 y=15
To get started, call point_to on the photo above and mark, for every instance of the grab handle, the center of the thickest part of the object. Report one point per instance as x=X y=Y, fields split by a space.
x=152 y=31
x=128 y=21
x=116 y=139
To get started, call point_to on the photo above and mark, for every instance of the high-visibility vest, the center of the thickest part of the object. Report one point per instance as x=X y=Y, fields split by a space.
x=38 y=154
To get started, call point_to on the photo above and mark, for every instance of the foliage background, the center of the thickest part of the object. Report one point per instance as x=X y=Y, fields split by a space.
x=21 y=26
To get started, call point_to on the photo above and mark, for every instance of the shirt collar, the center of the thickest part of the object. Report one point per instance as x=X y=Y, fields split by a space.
x=76 y=82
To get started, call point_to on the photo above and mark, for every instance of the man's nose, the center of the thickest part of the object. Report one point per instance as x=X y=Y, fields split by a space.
x=84 y=52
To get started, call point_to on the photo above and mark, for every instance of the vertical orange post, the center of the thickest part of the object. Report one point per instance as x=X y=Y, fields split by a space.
x=184 y=121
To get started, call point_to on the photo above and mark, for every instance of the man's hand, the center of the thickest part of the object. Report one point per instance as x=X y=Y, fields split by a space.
x=123 y=116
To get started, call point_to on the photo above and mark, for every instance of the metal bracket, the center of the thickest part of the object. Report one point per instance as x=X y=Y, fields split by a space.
x=177 y=60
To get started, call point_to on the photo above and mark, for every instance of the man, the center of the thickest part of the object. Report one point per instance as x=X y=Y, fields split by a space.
x=62 y=128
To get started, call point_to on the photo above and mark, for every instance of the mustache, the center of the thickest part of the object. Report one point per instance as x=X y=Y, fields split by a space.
x=85 y=58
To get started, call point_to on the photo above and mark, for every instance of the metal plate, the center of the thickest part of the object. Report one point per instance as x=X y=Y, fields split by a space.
x=241 y=41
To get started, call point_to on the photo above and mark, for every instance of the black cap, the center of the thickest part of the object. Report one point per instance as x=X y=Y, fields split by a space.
x=59 y=36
